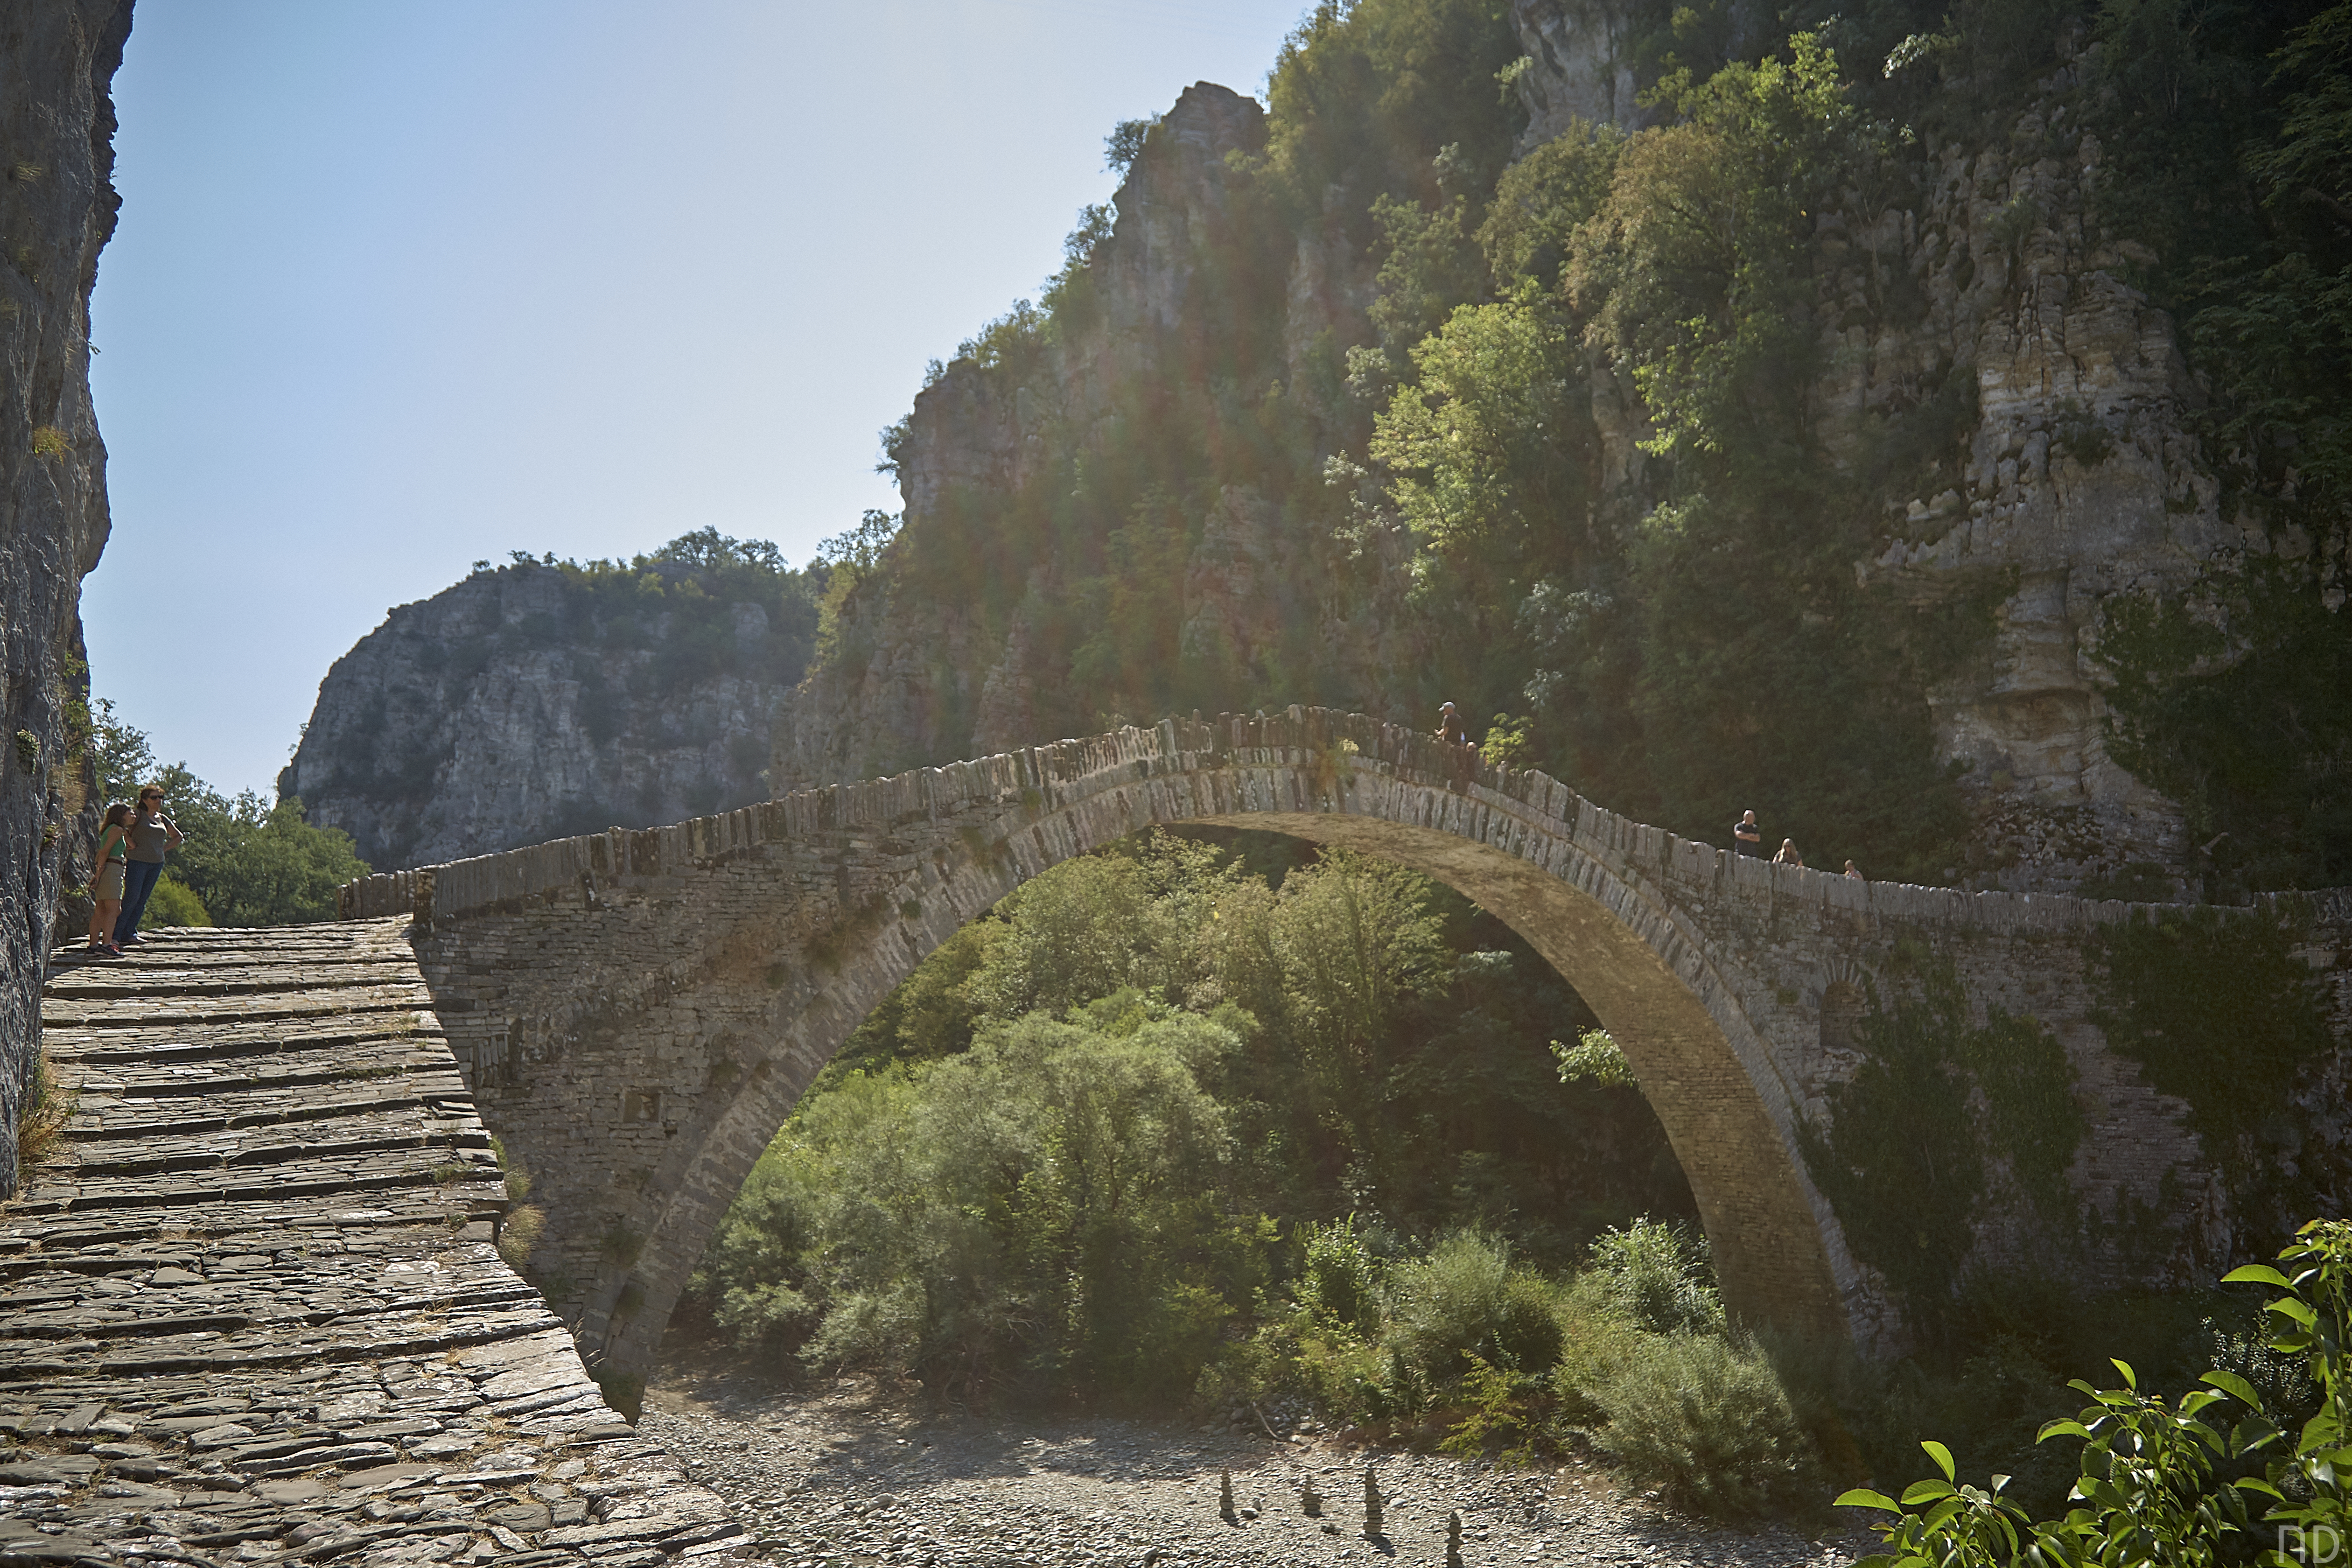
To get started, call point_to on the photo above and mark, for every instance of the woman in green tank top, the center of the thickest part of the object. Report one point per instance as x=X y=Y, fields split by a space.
x=106 y=888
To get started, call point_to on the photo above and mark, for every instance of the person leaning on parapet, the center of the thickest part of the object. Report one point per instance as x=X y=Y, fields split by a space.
x=1788 y=856
x=1449 y=726
x=1854 y=872
x=153 y=836
x=1746 y=839
x=106 y=888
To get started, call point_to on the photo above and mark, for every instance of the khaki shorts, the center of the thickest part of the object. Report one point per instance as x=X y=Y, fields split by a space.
x=109 y=883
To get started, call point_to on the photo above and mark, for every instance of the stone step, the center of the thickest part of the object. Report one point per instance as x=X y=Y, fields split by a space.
x=251 y=1312
x=169 y=1107
x=143 y=1011
x=352 y=1036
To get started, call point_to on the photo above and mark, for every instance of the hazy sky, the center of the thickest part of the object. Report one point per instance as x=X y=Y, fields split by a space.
x=401 y=285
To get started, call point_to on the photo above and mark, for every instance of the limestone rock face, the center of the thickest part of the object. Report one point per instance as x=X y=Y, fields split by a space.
x=2081 y=483
x=500 y=711
x=1580 y=63
x=923 y=681
x=57 y=211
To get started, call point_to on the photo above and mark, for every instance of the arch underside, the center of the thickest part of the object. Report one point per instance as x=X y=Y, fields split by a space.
x=1764 y=1225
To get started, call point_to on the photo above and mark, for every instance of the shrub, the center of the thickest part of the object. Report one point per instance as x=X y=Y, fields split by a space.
x=1464 y=1303
x=1657 y=1275
x=1339 y=1280
x=1704 y=1419
x=520 y=1233
x=174 y=903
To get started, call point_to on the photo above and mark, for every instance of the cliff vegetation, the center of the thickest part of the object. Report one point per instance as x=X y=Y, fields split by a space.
x=1920 y=423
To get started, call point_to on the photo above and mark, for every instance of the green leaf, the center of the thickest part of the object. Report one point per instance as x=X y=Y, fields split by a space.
x=2062 y=1429
x=1863 y=1497
x=2257 y=1274
x=1918 y=1492
x=2131 y=1378
x=2256 y=1484
x=2237 y=1387
x=1941 y=1455
x=2297 y=1310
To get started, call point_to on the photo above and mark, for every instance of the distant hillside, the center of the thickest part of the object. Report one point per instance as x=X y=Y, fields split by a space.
x=548 y=697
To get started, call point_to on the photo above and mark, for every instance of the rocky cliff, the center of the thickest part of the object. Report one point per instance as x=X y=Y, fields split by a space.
x=56 y=209
x=541 y=699
x=1194 y=281
x=1981 y=286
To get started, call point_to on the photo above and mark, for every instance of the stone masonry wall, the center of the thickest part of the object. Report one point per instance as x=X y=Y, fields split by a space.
x=637 y=1012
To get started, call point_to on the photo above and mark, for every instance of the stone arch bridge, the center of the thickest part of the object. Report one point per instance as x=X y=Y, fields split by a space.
x=637 y=1011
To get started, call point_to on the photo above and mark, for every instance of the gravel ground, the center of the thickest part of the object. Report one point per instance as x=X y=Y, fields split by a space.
x=847 y=1475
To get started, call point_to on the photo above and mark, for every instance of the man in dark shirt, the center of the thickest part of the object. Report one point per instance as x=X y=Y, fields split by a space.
x=1747 y=837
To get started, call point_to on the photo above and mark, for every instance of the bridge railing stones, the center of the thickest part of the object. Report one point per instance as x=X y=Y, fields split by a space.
x=600 y=991
x=1291 y=740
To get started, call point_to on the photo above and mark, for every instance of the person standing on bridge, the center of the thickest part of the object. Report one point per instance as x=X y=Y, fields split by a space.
x=106 y=888
x=1746 y=839
x=1449 y=726
x=1788 y=856
x=153 y=836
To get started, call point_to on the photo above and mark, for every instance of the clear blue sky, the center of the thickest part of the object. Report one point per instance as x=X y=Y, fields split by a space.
x=405 y=284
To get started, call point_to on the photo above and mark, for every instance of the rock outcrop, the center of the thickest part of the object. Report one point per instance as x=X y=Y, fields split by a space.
x=2082 y=482
x=923 y=678
x=57 y=211
x=520 y=705
x=1580 y=63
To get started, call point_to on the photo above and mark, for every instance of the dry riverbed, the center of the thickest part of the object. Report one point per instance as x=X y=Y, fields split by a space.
x=847 y=1474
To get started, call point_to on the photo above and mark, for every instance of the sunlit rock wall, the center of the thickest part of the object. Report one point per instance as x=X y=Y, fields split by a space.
x=56 y=209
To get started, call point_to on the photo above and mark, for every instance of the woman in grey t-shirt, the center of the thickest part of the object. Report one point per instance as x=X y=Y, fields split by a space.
x=151 y=836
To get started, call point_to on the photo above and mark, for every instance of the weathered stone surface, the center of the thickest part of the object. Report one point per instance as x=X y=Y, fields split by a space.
x=637 y=1012
x=1580 y=59
x=499 y=712
x=56 y=210
x=252 y=1312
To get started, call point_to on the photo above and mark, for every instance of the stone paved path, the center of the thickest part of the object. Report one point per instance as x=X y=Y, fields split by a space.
x=251 y=1311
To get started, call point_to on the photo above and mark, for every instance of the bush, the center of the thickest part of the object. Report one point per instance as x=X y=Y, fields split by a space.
x=1340 y=1281
x=1464 y=1300
x=1657 y=1275
x=174 y=903
x=1704 y=1419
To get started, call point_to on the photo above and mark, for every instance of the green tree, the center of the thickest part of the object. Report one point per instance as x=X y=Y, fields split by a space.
x=257 y=864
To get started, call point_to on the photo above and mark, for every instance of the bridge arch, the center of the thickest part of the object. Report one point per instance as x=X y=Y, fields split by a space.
x=638 y=1013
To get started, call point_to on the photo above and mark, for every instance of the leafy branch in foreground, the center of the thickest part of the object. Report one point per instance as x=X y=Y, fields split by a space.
x=2154 y=1487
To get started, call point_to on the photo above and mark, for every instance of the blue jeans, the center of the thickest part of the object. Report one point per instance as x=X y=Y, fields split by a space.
x=138 y=879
